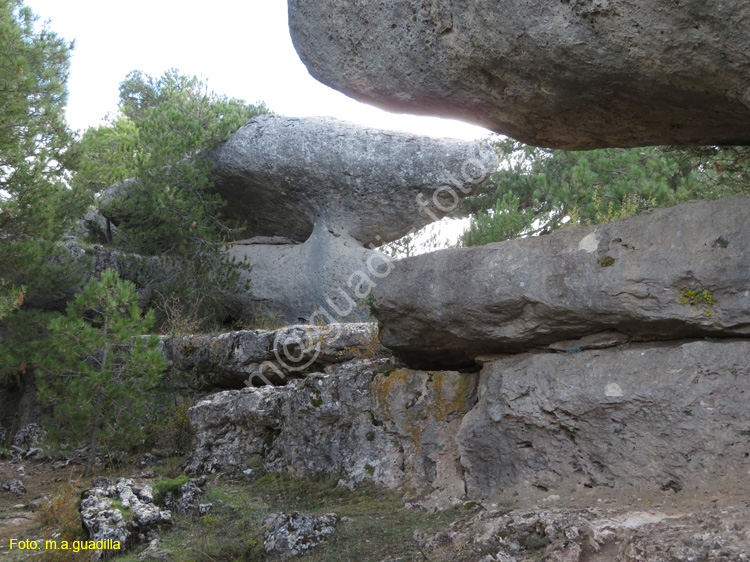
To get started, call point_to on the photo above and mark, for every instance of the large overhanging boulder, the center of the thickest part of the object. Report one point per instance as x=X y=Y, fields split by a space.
x=667 y=274
x=285 y=175
x=573 y=74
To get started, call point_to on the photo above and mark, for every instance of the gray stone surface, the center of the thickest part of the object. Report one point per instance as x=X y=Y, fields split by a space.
x=296 y=534
x=446 y=308
x=238 y=359
x=395 y=427
x=327 y=275
x=645 y=416
x=661 y=417
x=188 y=499
x=708 y=531
x=571 y=74
x=12 y=486
x=285 y=175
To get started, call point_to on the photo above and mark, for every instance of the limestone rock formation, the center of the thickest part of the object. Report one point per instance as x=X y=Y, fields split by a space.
x=319 y=280
x=666 y=274
x=646 y=416
x=395 y=427
x=103 y=521
x=286 y=175
x=572 y=74
x=296 y=534
x=714 y=531
x=664 y=416
x=319 y=195
x=12 y=486
x=258 y=357
x=188 y=498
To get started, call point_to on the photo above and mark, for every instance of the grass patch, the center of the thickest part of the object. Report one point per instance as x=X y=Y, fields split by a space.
x=164 y=486
x=376 y=525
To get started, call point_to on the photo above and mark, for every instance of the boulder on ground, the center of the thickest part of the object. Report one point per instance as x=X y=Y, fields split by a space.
x=666 y=274
x=12 y=486
x=135 y=520
x=572 y=74
x=296 y=534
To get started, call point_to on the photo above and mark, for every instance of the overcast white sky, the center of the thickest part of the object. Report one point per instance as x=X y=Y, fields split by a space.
x=242 y=47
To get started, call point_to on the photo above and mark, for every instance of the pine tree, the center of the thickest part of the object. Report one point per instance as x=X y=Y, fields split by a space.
x=96 y=372
x=537 y=190
x=160 y=137
x=37 y=204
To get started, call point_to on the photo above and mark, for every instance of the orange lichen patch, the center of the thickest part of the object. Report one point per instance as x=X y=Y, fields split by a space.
x=384 y=384
x=438 y=393
x=423 y=407
x=452 y=392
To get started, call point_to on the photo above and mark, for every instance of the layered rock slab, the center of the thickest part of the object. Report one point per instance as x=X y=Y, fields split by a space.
x=665 y=416
x=573 y=74
x=669 y=416
x=257 y=357
x=666 y=274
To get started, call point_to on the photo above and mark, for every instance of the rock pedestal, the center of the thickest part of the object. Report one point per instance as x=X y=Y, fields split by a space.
x=319 y=195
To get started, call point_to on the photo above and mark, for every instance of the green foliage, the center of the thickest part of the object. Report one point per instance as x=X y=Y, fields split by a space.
x=95 y=373
x=161 y=137
x=37 y=206
x=10 y=298
x=504 y=221
x=35 y=142
x=699 y=299
x=165 y=486
x=172 y=429
x=108 y=154
x=36 y=147
x=537 y=190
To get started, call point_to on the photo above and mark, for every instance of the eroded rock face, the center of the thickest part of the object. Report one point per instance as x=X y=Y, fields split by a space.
x=666 y=274
x=650 y=416
x=322 y=279
x=333 y=191
x=667 y=416
x=396 y=427
x=284 y=175
x=573 y=74
x=561 y=534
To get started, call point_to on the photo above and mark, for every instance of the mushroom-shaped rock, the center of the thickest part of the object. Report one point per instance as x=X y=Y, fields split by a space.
x=284 y=175
x=575 y=74
x=319 y=195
